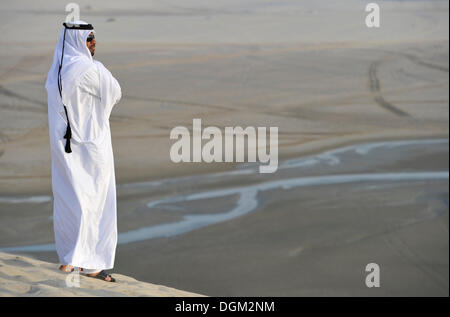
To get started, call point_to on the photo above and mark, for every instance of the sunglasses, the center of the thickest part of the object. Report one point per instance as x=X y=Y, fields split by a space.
x=90 y=38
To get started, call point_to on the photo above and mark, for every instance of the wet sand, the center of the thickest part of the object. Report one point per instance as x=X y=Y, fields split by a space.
x=363 y=134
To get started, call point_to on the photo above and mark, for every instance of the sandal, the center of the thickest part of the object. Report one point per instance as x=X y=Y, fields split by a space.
x=102 y=275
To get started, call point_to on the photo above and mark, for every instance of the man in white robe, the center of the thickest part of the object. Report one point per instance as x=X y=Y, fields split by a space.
x=83 y=179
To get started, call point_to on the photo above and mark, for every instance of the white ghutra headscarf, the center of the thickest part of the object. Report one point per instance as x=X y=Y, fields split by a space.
x=71 y=59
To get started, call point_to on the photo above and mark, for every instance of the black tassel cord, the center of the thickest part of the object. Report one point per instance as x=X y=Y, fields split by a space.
x=68 y=134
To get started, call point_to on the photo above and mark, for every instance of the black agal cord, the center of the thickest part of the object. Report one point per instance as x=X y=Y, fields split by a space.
x=68 y=134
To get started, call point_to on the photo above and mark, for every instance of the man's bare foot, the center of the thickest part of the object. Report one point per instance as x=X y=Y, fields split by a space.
x=67 y=268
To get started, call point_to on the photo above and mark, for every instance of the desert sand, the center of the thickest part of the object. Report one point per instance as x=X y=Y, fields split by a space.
x=24 y=276
x=363 y=134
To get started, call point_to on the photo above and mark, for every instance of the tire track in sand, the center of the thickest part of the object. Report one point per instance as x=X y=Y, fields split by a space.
x=12 y=94
x=374 y=85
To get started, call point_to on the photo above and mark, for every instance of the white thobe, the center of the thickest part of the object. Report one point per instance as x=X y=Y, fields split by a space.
x=83 y=182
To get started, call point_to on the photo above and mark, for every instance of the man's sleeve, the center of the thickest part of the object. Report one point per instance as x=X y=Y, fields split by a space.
x=90 y=82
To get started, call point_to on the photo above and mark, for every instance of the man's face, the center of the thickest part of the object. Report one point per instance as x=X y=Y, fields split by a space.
x=90 y=43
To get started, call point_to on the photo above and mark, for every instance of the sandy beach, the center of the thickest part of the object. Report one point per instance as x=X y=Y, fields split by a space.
x=363 y=120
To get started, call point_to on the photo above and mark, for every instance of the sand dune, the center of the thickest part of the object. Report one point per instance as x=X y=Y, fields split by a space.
x=23 y=276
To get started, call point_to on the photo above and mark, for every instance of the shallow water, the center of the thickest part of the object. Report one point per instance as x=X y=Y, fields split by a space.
x=332 y=167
